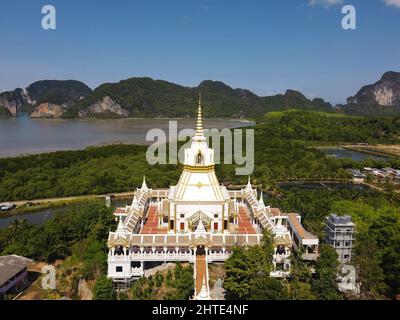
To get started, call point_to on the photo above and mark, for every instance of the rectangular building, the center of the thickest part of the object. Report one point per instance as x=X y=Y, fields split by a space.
x=13 y=273
x=340 y=234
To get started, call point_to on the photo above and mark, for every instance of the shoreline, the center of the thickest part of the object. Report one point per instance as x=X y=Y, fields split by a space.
x=128 y=118
x=371 y=150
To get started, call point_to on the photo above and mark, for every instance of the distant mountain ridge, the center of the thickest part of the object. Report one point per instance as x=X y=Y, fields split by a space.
x=148 y=98
x=40 y=95
x=145 y=97
x=380 y=98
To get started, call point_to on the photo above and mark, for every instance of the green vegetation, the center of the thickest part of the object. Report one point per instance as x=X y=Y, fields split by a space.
x=326 y=269
x=377 y=219
x=58 y=92
x=247 y=270
x=77 y=238
x=173 y=284
x=330 y=128
x=47 y=91
x=145 y=97
x=378 y=246
x=377 y=252
x=369 y=109
x=91 y=171
x=282 y=153
x=81 y=232
x=103 y=289
x=299 y=287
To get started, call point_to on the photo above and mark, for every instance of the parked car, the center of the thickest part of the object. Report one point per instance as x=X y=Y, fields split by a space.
x=7 y=206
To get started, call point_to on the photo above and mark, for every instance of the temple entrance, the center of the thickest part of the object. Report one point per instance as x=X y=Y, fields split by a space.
x=200 y=251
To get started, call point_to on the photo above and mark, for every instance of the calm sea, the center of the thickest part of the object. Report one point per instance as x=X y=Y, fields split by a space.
x=20 y=136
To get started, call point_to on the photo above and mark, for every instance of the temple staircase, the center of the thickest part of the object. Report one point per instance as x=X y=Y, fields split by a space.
x=201 y=290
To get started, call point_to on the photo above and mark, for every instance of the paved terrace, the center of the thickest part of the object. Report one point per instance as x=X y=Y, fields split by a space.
x=244 y=223
x=151 y=225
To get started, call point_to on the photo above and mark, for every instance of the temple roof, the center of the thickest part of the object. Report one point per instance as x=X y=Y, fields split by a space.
x=298 y=227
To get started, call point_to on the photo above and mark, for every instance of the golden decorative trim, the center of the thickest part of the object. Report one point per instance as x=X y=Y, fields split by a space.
x=199 y=169
x=119 y=241
x=223 y=217
x=200 y=241
x=175 y=222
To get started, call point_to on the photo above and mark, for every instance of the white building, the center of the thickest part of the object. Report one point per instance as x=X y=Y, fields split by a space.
x=200 y=221
x=340 y=234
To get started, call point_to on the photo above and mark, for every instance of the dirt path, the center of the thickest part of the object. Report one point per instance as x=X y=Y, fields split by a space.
x=73 y=198
x=58 y=201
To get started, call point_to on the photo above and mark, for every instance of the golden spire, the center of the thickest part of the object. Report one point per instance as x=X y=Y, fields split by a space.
x=199 y=123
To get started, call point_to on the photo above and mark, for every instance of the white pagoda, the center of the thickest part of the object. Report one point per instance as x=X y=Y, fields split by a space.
x=200 y=221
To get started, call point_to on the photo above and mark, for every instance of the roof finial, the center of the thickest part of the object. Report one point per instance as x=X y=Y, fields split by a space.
x=134 y=201
x=121 y=227
x=249 y=183
x=261 y=202
x=144 y=185
x=199 y=123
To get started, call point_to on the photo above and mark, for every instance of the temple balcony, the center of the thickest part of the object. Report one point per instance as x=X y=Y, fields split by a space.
x=311 y=252
x=153 y=256
x=281 y=258
x=218 y=256
x=279 y=274
x=121 y=257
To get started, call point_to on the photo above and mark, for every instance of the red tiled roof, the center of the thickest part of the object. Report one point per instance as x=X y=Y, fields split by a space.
x=298 y=227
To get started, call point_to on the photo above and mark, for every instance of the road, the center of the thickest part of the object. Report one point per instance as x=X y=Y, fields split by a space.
x=71 y=199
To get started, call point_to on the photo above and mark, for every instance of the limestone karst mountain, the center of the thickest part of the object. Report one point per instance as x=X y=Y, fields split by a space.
x=382 y=97
x=147 y=98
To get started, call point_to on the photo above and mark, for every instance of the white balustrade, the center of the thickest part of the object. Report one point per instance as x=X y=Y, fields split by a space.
x=153 y=256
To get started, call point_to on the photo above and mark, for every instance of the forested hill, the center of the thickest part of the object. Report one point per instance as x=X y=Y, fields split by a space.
x=322 y=127
x=145 y=97
x=42 y=97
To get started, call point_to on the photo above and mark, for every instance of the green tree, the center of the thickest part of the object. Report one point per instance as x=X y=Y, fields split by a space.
x=268 y=288
x=369 y=272
x=300 y=278
x=103 y=289
x=300 y=291
x=247 y=266
x=324 y=285
x=386 y=231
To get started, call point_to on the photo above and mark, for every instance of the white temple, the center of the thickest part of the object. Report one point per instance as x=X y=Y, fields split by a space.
x=200 y=221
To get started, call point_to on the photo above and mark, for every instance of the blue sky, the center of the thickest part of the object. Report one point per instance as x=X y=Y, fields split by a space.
x=264 y=46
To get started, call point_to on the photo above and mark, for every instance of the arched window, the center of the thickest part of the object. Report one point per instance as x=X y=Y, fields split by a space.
x=199 y=158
